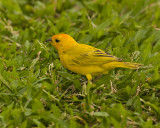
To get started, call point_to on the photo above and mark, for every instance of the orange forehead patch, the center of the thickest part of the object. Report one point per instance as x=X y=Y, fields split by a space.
x=60 y=36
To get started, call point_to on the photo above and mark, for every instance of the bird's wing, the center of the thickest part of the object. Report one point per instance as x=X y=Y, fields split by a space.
x=88 y=55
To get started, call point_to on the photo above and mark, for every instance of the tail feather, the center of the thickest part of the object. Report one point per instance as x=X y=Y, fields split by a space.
x=129 y=65
x=113 y=65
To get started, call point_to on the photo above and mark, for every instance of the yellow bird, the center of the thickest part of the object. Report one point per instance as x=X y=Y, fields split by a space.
x=85 y=59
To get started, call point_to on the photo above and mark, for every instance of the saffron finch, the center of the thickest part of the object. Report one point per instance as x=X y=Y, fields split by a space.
x=85 y=59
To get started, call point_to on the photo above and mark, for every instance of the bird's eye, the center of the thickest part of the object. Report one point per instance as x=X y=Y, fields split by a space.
x=57 y=40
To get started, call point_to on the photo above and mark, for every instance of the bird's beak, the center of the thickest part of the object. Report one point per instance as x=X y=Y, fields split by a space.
x=49 y=40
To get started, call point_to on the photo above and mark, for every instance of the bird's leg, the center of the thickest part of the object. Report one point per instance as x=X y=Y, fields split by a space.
x=87 y=96
x=97 y=78
x=89 y=77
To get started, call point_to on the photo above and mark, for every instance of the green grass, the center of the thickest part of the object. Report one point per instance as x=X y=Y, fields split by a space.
x=37 y=91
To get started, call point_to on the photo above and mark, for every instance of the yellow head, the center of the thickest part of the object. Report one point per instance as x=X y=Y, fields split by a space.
x=62 y=42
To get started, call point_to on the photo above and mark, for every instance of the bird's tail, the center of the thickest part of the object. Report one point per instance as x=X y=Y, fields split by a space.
x=129 y=65
x=112 y=65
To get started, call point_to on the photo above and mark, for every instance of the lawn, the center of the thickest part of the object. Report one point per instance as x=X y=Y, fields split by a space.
x=37 y=91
